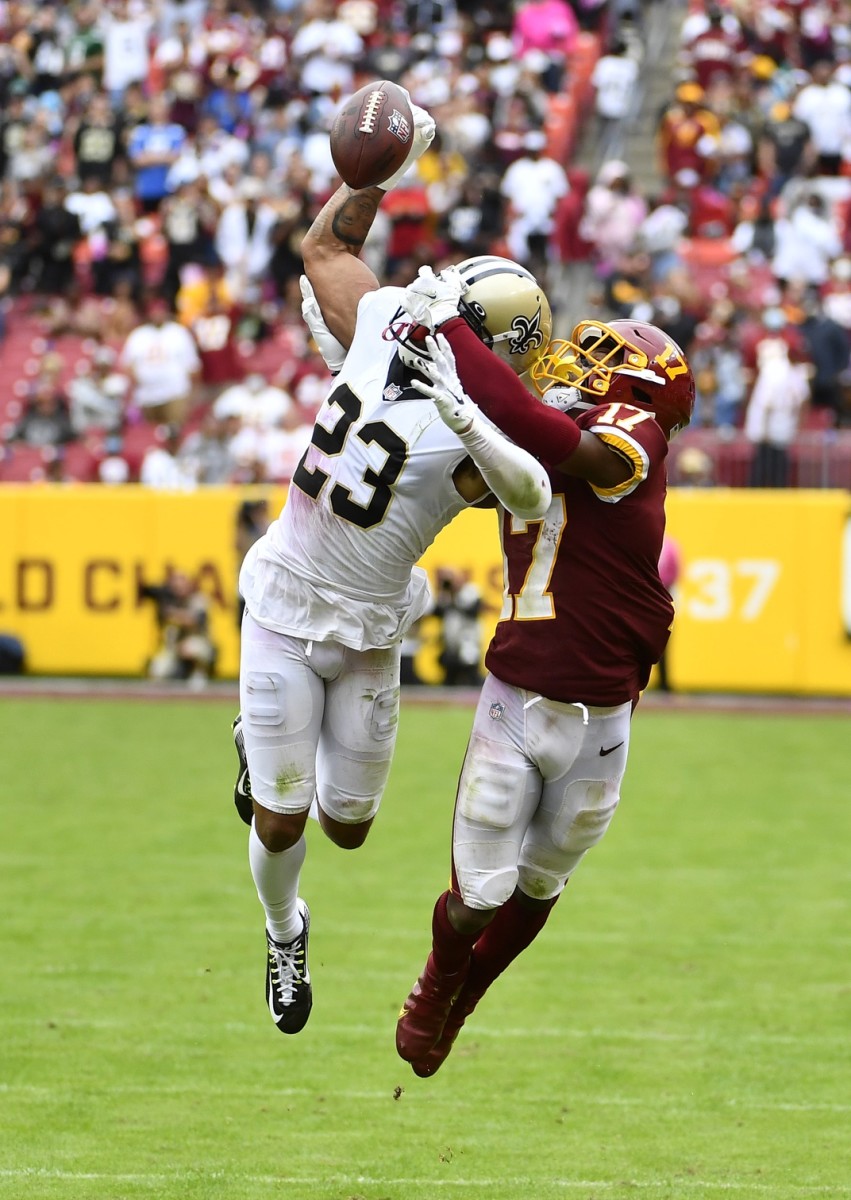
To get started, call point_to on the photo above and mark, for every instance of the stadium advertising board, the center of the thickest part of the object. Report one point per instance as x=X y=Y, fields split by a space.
x=763 y=599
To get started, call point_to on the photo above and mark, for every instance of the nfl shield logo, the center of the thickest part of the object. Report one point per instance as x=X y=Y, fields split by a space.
x=398 y=126
x=496 y=710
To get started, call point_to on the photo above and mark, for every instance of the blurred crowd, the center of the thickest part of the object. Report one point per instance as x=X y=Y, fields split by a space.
x=160 y=161
x=744 y=250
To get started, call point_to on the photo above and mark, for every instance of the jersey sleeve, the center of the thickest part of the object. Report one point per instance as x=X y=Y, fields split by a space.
x=635 y=435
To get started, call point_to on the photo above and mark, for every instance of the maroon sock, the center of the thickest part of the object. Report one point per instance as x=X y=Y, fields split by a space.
x=513 y=929
x=451 y=949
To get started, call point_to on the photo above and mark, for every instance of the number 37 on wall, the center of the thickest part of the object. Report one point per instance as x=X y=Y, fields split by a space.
x=714 y=589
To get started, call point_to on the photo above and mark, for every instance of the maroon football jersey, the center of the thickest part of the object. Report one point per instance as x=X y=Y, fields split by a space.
x=585 y=615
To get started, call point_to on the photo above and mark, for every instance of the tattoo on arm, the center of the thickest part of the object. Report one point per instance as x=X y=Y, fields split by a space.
x=352 y=220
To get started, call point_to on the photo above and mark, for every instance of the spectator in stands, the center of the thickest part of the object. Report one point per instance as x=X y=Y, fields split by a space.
x=46 y=420
x=153 y=147
x=722 y=393
x=208 y=449
x=774 y=410
x=113 y=469
x=459 y=606
x=324 y=50
x=163 y=467
x=614 y=80
x=126 y=30
x=188 y=220
x=97 y=142
x=255 y=402
x=785 y=148
x=688 y=126
x=216 y=334
x=829 y=351
x=186 y=650
x=836 y=294
x=94 y=209
x=55 y=234
x=806 y=241
x=551 y=27
x=533 y=186
x=202 y=288
x=118 y=261
x=97 y=397
x=825 y=106
x=277 y=448
x=715 y=49
x=614 y=213
x=693 y=467
x=754 y=237
x=244 y=239
x=162 y=361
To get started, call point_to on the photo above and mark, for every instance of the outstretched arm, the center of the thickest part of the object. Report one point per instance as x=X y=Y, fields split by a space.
x=552 y=436
x=335 y=239
x=330 y=250
x=511 y=474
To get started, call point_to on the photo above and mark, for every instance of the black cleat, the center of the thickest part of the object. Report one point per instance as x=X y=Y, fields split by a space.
x=242 y=788
x=288 y=991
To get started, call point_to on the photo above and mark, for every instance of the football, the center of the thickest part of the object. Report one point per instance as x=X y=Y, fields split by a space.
x=372 y=134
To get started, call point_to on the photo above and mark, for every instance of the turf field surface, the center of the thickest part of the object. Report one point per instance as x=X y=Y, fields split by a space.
x=679 y=1030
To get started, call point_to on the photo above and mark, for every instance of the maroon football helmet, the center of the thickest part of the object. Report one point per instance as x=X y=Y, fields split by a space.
x=630 y=362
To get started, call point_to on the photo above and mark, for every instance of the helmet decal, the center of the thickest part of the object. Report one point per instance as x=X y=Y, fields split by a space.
x=671 y=361
x=529 y=333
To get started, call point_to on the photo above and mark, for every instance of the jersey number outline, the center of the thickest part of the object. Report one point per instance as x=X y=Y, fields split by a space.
x=331 y=442
x=534 y=601
x=635 y=416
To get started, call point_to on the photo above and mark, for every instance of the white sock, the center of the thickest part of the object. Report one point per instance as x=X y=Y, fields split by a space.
x=276 y=878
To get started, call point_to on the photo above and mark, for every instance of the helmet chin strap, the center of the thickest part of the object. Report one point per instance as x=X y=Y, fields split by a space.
x=565 y=398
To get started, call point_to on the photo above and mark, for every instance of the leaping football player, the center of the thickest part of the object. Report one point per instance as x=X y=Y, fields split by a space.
x=331 y=588
x=584 y=618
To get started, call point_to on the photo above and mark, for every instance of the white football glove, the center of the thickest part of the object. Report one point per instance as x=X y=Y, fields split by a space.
x=432 y=299
x=424 y=128
x=456 y=409
x=517 y=480
x=331 y=350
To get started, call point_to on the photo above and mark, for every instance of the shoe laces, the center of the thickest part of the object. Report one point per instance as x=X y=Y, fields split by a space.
x=287 y=968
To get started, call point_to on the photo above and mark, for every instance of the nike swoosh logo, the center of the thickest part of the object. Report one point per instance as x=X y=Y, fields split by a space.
x=610 y=750
x=243 y=784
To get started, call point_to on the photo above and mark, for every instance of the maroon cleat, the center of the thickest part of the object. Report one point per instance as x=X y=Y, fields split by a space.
x=424 y=1013
x=431 y=1063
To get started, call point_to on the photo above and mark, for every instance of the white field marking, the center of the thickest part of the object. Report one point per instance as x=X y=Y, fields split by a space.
x=45 y=1092
x=518 y=1184
x=489 y=1031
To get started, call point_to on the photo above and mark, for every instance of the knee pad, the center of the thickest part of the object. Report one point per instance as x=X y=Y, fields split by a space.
x=480 y=886
x=586 y=814
x=347 y=809
x=490 y=792
x=539 y=882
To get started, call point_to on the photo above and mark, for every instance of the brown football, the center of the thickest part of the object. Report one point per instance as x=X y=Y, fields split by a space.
x=372 y=134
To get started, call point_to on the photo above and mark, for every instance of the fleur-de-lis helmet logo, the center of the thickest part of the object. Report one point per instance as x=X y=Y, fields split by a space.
x=529 y=334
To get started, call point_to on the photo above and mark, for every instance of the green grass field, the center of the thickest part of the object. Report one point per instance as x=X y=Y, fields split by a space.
x=680 y=1029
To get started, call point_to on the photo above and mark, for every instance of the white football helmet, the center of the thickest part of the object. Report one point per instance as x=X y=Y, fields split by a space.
x=506 y=306
x=503 y=304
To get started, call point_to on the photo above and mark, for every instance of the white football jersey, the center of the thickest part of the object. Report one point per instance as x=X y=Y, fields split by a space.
x=369 y=496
